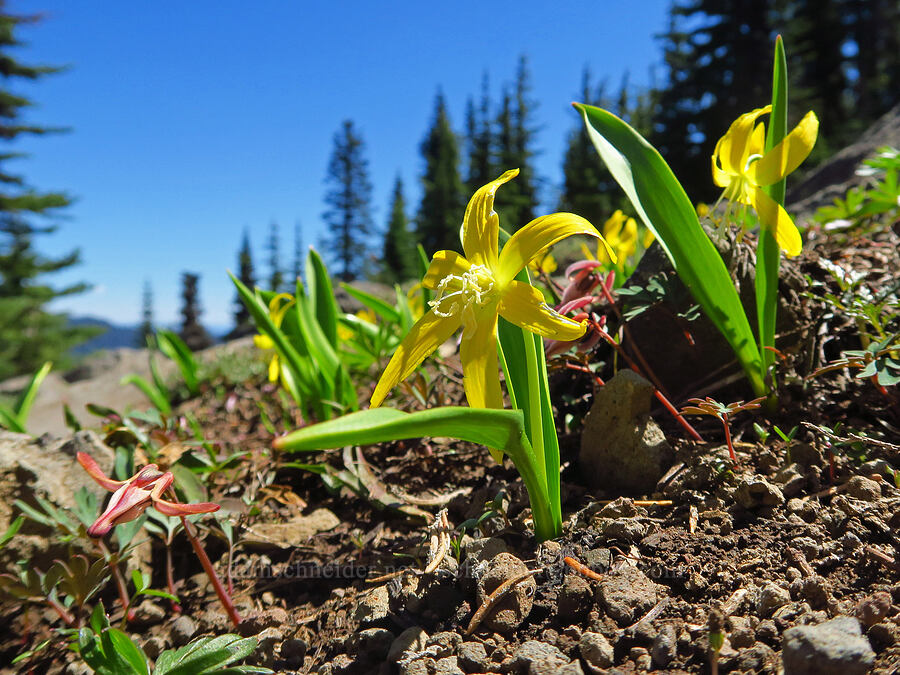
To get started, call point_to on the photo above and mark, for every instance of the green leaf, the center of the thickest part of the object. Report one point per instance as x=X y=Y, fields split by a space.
x=768 y=253
x=321 y=295
x=71 y=421
x=175 y=348
x=664 y=207
x=501 y=429
x=11 y=530
x=205 y=655
x=377 y=305
x=128 y=651
x=26 y=399
x=158 y=398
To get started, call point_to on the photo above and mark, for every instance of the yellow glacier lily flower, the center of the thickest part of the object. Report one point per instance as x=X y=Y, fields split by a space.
x=620 y=236
x=472 y=291
x=278 y=307
x=741 y=165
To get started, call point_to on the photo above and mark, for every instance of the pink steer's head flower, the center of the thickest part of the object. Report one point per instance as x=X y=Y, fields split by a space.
x=131 y=497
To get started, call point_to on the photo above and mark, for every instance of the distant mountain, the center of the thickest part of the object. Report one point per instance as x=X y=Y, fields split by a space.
x=115 y=336
x=112 y=337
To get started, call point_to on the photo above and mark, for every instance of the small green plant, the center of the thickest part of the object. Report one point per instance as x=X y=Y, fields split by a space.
x=109 y=651
x=15 y=417
x=487 y=293
x=302 y=331
x=722 y=412
x=867 y=204
x=748 y=164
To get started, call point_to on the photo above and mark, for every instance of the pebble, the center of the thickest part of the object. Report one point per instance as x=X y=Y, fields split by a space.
x=154 y=646
x=255 y=622
x=373 y=606
x=767 y=631
x=472 y=657
x=444 y=643
x=537 y=658
x=293 y=650
x=447 y=666
x=864 y=488
x=665 y=646
x=771 y=597
x=266 y=642
x=759 y=658
x=371 y=644
x=791 y=480
x=627 y=594
x=516 y=605
x=575 y=598
x=874 y=608
x=741 y=634
x=411 y=640
x=835 y=647
x=183 y=629
x=756 y=491
x=596 y=650
x=641 y=658
x=149 y=613
x=806 y=509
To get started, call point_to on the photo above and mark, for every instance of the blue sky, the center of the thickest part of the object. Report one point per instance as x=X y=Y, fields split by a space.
x=193 y=120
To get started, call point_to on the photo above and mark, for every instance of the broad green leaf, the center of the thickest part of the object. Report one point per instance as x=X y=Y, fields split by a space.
x=501 y=429
x=377 y=305
x=159 y=400
x=321 y=294
x=664 y=207
x=768 y=253
x=175 y=348
x=205 y=655
x=128 y=651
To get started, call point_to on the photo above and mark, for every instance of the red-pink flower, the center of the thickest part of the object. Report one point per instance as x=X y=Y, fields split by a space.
x=131 y=497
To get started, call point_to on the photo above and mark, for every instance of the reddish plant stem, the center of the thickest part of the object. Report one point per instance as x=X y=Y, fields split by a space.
x=584 y=369
x=637 y=352
x=170 y=577
x=659 y=395
x=113 y=562
x=64 y=614
x=224 y=598
x=734 y=458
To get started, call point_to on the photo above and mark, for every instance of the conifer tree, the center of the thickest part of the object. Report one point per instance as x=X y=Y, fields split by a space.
x=443 y=199
x=145 y=330
x=299 y=256
x=29 y=333
x=192 y=331
x=479 y=141
x=399 y=247
x=243 y=322
x=349 y=198
x=273 y=244
x=517 y=202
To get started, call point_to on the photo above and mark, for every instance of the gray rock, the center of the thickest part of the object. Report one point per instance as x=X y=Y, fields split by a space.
x=758 y=658
x=154 y=646
x=293 y=650
x=537 y=658
x=864 y=488
x=623 y=529
x=622 y=449
x=835 y=647
x=423 y=666
x=516 y=604
x=596 y=650
x=267 y=642
x=443 y=644
x=291 y=533
x=626 y=594
x=755 y=491
x=575 y=599
x=472 y=657
x=741 y=634
x=148 y=613
x=373 y=606
x=771 y=597
x=665 y=646
x=448 y=666
x=791 y=480
x=370 y=644
x=409 y=641
x=183 y=629
x=476 y=553
x=256 y=621
x=44 y=467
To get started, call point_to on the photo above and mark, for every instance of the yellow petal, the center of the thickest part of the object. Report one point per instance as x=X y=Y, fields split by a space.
x=481 y=226
x=478 y=353
x=539 y=234
x=773 y=217
x=787 y=155
x=274 y=370
x=426 y=335
x=732 y=147
x=523 y=305
x=721 y=177
x=444 y=264
x=263 y=342
x=757 y=144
